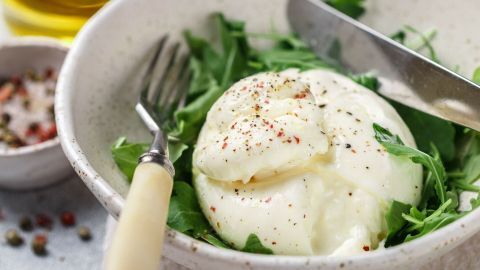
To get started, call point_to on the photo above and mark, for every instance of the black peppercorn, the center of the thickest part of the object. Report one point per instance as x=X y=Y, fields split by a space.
x=51 y=111
x=13 y=238
x=6 y=118
x=39 y=245
x=26 y=224
x=84 y=233
x=26 y=103
x=33 y=127
x=50 y=91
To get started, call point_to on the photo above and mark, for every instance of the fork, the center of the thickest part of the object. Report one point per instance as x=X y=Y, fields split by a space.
x=138 y=239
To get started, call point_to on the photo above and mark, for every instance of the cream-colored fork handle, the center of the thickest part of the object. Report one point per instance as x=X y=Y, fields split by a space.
x=138 y=239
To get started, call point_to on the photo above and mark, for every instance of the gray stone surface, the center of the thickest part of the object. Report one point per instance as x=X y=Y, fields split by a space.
x=65 y=249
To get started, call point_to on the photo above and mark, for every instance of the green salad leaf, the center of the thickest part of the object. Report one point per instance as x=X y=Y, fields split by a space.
x=214 y=241
x=191 y=117
x=126 y=154
x=394 y=145
x=423 y=125
x=439 y=195
x=469 y=157
x=395 y=222
x=184 y=213
x=367 y=80
x=422 y=41
x=254 y=245
x=353 y=8
x=399 y=36
x=476 y=75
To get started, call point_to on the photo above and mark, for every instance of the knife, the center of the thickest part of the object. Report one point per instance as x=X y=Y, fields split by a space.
x=405 y=76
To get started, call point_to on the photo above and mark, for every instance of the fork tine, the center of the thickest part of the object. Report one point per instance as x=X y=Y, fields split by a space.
x=147 y=77
x=182 y=96
x=167 y=72
x=166 y=86
x=177 y=89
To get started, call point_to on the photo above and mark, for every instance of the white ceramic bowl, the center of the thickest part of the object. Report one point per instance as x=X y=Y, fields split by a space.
x=95 y=105
x=41 y=164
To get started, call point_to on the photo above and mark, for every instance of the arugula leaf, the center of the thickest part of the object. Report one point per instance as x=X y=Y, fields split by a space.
x=466 y=186
x=215 y=241
x=406 y=223
x=428 y=190
x=423 y=125
x=235 y=50
x=284 y=41
x=469 y=145
x=203 y=53
x=399 y=36
x=472 y=169
x=434 y=221
x=394 y=145
x=175 y=150
x=254 y=245
x=184 y=214
x=475 y=202
x=201 y=79
x=468 y=157
x=190 y=118
x=426 y=40
x=353 y=8
x=367 y=80
x=476 y=75
x=437 y=188
x=126 y=154
x=395 y=222
x=281 y=59
x=435 y=224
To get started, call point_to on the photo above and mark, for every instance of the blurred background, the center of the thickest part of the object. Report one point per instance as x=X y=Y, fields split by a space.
x=54 y=18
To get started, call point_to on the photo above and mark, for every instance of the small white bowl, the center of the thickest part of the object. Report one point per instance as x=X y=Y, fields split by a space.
x=41 y=164
x=95 y=105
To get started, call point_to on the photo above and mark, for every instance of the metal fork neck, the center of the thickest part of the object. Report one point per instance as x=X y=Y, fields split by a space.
x=159 y=158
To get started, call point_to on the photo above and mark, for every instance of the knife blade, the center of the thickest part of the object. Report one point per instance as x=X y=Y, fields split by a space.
x=405 y=76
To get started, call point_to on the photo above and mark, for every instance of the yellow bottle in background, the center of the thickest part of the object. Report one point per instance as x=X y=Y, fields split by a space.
x=55 y=18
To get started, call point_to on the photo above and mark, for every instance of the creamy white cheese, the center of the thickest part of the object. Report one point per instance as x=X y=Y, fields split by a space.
x=267 y=124
x=292 y=157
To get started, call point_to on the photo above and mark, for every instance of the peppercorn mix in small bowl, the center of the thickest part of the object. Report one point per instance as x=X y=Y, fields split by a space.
x=30 y=152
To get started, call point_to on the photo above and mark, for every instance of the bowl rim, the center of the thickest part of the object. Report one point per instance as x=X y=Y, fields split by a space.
x=449 y=236
x=32 y=41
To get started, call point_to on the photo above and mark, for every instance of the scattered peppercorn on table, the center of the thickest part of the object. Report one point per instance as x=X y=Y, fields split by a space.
x=59 y=227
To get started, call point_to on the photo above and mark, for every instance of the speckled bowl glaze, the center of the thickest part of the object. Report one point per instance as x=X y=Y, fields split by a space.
x=41 y=164
x=95 y=105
